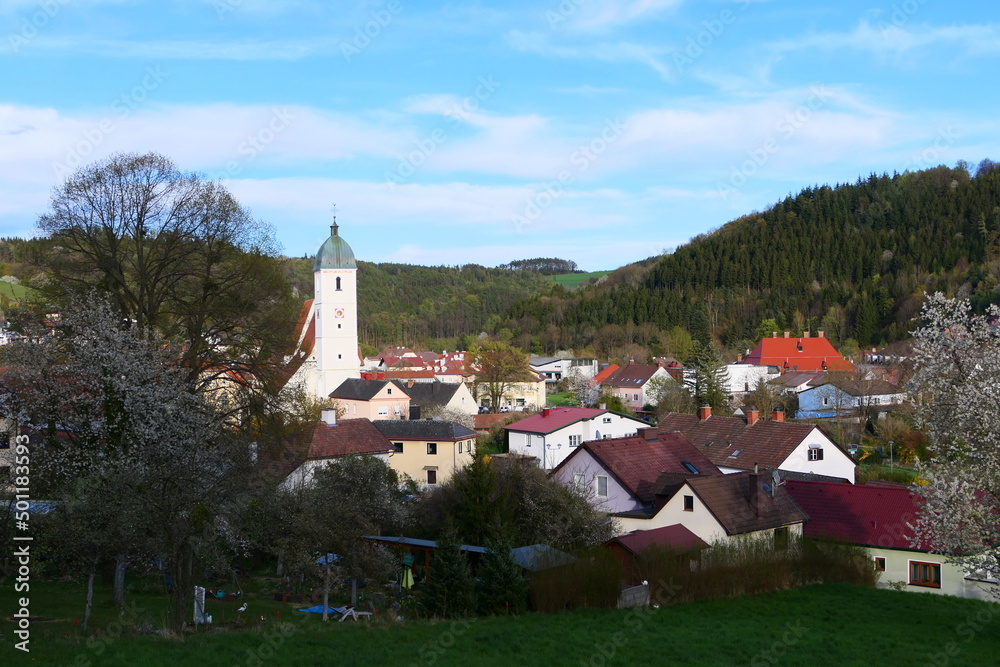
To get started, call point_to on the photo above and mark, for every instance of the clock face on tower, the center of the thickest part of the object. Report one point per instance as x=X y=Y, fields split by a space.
x=338 y=312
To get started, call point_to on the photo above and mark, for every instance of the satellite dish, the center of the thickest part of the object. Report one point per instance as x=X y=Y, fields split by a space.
x=776 y=478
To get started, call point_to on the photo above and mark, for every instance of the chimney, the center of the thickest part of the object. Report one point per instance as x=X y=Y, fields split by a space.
x=774 y=334
x=753 y=490
x=704 y=412
x=739 y=358
x=545 y=412
x=753 y=414
x=409 y=383
x=787 y=333
x=648 y=433
x=603 y=406
x=778 y=415
x=820 y=333
x=805 y=334
x=329 y=416
x=414 y=412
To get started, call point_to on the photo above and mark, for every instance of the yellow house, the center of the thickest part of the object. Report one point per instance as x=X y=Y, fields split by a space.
x=372 y=399
x=518 y=395
x=429 y=451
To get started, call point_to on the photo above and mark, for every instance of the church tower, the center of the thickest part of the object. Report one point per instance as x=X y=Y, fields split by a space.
x=336 y=313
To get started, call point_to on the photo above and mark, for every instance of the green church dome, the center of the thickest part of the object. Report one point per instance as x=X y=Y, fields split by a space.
x=335 y=253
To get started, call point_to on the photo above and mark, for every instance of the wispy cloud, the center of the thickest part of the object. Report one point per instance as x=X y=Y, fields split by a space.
x=610 y=52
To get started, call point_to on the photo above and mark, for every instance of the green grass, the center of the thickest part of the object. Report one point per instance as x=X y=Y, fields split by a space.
x=12 y=291
x=573 y=280
x=816 y=625
x=562 y=398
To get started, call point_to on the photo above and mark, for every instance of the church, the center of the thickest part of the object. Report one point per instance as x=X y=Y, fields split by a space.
x=327 y=351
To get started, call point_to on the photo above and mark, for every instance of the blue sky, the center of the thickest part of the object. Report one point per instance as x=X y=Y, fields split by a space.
x=598 y=131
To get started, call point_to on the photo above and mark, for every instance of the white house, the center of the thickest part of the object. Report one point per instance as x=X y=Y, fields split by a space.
x=737 y=444
x=554 y=369
x=331 y=439
x=878 y=517
x=554 y=433
x=742 y=378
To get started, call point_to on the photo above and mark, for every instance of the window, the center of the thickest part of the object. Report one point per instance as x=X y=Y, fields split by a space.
x=338 y=284
x=880 y=565
x=389 y=390
x=460 y=446
x=579 y=480
x=397 y=447
x=470 y=447
x=826 y=401
x=688 y=503
x=635 y=397
x=606 y=420
x=815 y=453
x=602 y=486
x=925 y=574
x=574 y=440
x=689 y=467
x=432 y=448
x=383 y=411
x=432 y=476
x=781 y=539
x=735 y=454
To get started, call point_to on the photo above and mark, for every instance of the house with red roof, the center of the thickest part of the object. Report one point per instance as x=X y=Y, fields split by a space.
x=331 y=439
x=878 y=517
x=629 y=548
x=554 y=433
x=632 y=382
x=804 y=354
x=654 y=480
x=738 y=444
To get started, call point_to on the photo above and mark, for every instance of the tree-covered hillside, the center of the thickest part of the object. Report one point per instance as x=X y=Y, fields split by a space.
x=434 y=306
x=852 y=259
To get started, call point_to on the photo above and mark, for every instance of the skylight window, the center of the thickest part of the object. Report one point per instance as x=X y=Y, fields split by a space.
x=690 y=467
x=735 y=454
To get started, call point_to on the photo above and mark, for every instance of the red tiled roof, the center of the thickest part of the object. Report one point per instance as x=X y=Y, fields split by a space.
x=408 y=374
x=869 y=515
x=556 y=419
x=727 y=497
x=349 y=436
x=801 y=354
x=676 y=538
x=767 y=443
x=605 y=374
x=633 y=375
x=637 y=463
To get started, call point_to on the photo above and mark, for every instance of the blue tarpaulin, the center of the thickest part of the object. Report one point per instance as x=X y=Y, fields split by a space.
x=318 y=609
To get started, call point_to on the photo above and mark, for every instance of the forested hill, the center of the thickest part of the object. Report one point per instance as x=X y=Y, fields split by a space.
x=439 y=307
x=852 y=259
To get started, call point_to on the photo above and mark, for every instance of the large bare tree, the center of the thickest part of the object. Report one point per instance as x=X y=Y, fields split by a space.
x=176 y=255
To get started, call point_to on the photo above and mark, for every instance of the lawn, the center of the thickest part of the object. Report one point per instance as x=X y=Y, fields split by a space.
x=12 y=291
x=573 y=280
x=816 y=625
x=562 y=398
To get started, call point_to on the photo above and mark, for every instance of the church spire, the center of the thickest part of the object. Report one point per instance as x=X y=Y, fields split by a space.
x=334 y=227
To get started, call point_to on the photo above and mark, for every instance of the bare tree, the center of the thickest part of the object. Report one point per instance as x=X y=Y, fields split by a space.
x=498 y=366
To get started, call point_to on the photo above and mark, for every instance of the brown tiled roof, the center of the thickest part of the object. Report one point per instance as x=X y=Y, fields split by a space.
x=488 y=420
x=633 y=375
x=349 y=436
x=727 y=497
x=638 y=463
x=855 y=387
x=767 y=443
x=357 y=389
x=675 y=537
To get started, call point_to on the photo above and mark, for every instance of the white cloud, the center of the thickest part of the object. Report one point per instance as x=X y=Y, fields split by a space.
x=617 y=52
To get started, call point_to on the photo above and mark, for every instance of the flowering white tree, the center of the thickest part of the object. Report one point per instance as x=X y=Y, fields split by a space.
x=108 y=407
x=958 y=404
x=584 y=388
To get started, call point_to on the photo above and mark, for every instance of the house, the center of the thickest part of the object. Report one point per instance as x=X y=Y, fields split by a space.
x=605 y=373
x=372 y=399
x=428 y=451
x=433 y=397
x=631 y=383
x=836 y=395
x=723 y=507
x=331 y=439
x=629 y=548
x=737 y=444
x=554 y=369
x=805 y=353
x=552 y=434
x=795 y=382
x=520 y=396
x=622 y=475
x=743 y=378
x=878 y=517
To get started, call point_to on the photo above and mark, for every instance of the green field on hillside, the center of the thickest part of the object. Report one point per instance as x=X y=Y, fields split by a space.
x=12 y=291
x=815 y=625
x=573 y=280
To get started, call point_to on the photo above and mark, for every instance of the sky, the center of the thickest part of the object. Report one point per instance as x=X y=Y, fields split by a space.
x=602 y=132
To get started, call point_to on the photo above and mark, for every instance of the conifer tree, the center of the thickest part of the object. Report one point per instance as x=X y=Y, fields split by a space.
x=501 y=586
x=450 y=592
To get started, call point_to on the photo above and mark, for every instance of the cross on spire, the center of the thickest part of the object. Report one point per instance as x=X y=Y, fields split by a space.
x=334 y=227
